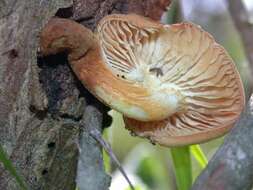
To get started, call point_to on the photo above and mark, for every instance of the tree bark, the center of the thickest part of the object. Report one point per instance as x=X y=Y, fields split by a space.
x=42 y=104
x=39 y=143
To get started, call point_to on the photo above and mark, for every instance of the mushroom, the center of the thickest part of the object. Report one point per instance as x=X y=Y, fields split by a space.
x=173 y=83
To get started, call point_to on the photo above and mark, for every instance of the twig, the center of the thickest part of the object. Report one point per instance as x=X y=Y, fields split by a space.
x=98 y=137
x=240 y=18
x=91 y=174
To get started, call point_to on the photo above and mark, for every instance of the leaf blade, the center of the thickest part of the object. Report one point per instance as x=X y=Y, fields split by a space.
x=9 y=166
x=183 y=168
x=199 y=155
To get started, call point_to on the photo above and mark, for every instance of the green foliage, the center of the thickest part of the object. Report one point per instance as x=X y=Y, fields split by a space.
x=151 y=171
x=198 y=154
x=107 y=162
x=8 y=166
x=182 y=167
x=136 y=188
x=151 y=163
x=106 y=157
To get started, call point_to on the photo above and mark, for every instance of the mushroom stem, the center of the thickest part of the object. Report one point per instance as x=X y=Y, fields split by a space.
x=63 y=35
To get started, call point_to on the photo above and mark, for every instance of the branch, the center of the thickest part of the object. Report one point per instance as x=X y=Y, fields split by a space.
x=240 y=17
x=106 y=146
x=231 y=166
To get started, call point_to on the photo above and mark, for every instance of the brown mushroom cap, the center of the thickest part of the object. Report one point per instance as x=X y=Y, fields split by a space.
x=174 y=84
x=187 y=81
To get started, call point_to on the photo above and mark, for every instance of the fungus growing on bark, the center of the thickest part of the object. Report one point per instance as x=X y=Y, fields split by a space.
x=173 y=83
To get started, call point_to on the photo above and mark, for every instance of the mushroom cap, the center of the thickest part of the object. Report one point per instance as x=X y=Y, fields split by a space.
x=173 y=83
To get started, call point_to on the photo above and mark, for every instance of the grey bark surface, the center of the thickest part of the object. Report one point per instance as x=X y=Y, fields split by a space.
x=232 y=165
x=87 y=170
x=40 y=144
x=42 y=105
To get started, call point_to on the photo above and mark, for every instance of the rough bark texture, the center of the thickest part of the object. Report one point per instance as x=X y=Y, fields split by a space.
x=39 y=145
x=42 y=105
x=89 y=12
x=232 y=165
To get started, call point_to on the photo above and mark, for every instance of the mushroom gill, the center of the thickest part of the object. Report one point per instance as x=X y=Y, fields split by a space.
x=184 y=71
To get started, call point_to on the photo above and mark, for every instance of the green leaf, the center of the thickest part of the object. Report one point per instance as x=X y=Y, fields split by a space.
x=106 y=157
x=182 y=166
x=152 y=171
x=9 y=166
x=107 y=161
x=135 y=187
x=199 y=155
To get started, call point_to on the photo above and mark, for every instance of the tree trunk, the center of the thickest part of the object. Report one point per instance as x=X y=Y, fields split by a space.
x=42 y=104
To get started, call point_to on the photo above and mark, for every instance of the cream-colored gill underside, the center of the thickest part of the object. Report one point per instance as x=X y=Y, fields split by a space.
x=182 y=67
